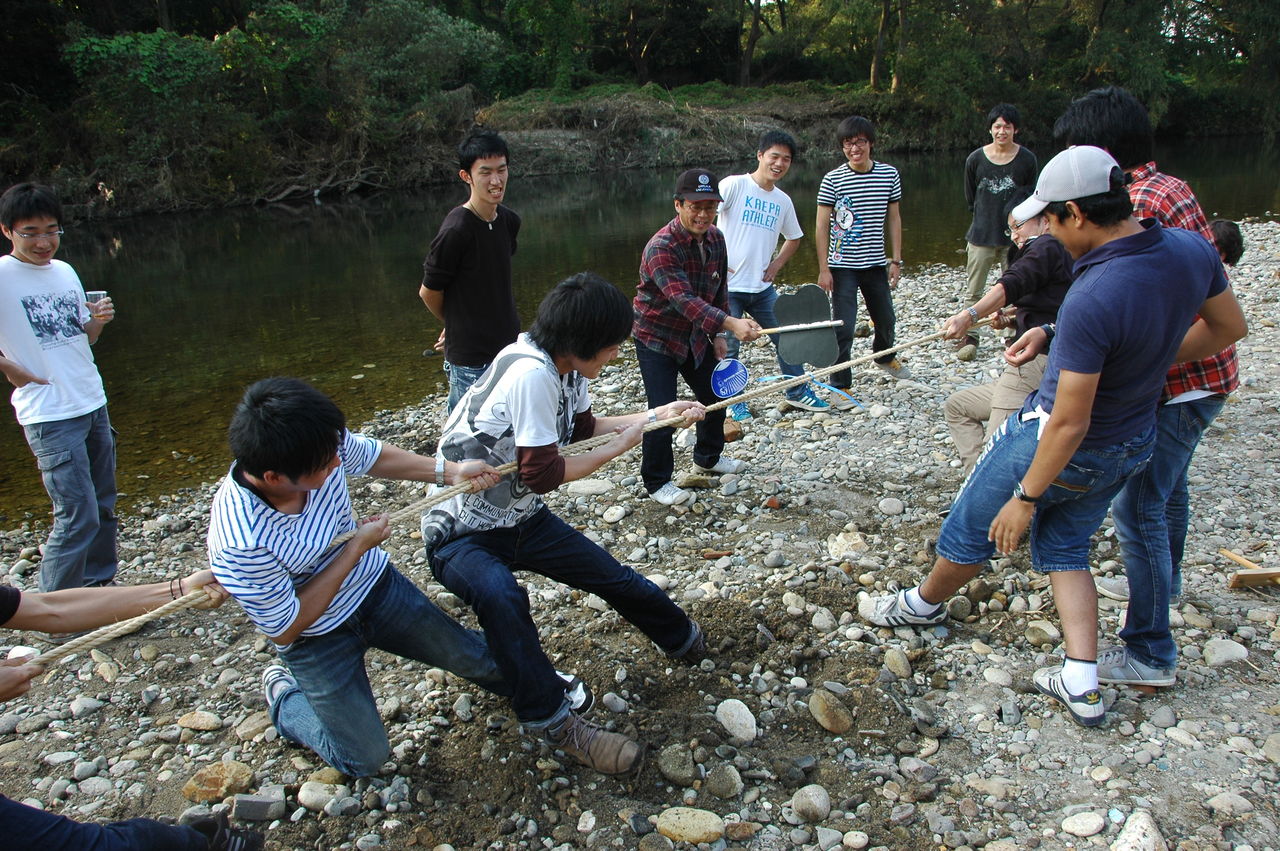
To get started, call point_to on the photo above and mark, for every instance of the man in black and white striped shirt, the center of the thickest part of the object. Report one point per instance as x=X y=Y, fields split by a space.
x=857 y=203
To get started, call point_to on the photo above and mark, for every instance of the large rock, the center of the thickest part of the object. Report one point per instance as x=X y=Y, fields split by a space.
x=1271 y=747
x=897 y=663
x=675 y=762
x=724 y=781
x=686 y=824
x=829 y=711
x=253 y=726
x=1228 y=804
x=218 y=780
x=811 y=803
x=1223 y=651
x=315 y=796
x=200 y=720
x=737 y=719
x=1084 y=824
x=1140 y=833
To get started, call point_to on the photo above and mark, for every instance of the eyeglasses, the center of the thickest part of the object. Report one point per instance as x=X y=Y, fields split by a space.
x=859 y=142
x=53 y=234
x=1016 y=225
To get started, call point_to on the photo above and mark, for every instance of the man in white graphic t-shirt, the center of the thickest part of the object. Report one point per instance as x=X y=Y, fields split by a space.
x=46 y=329
x=754 y=212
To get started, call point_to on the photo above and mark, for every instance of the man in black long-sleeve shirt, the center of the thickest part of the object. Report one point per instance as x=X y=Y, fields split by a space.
x=1036 y=283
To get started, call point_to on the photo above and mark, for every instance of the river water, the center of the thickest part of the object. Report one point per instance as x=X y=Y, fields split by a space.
x=208 y=303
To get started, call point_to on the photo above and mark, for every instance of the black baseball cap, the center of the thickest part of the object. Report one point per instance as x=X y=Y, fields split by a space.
x=697 y=184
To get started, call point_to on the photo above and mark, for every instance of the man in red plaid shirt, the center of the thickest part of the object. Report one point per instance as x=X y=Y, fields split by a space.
x=1151 y=512
x=682 y=318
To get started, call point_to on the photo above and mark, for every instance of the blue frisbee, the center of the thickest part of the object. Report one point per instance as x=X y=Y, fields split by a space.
x=728 y=378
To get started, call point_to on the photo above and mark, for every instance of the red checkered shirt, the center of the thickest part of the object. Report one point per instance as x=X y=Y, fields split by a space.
x=683 y=299
x=1171 y=202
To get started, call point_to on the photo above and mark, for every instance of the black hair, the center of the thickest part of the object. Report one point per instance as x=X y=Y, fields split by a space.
x=480 y=144
x=285 y=426
x=1108 y=118
x=1104 y=209
x=24 y=201
x=777 y=138
x=1007 y=111
x=1228 y=239
x=582 y=315
x=1020 y=194
x=854 y=126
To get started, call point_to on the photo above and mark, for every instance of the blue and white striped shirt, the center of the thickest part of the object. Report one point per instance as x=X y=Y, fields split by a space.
x=261 y=555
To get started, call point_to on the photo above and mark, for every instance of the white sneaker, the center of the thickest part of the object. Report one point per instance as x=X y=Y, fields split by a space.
x=669 y=494
x=724 y=466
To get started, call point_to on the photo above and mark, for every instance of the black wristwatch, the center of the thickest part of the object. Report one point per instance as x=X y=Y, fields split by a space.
x=1019 y=493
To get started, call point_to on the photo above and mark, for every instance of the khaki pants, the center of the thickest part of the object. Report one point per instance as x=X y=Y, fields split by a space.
x=979 y=260
x=975 y=412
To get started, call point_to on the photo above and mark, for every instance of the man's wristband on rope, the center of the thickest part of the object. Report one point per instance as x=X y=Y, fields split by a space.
x=181 y=591
x=440 y=469
x=973 y=313
x=1050 y=329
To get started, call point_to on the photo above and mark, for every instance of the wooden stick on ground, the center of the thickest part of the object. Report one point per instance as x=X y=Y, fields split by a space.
x=1255 y=575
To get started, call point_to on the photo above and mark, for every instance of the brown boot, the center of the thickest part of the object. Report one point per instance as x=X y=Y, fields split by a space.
x=595 y=747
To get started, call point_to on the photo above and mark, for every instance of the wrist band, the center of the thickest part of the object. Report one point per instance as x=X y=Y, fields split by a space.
x=440 y=469
x=1049 y=329
x=973 y=313
x=172 y=596
x=896 y=262
x=653 y=415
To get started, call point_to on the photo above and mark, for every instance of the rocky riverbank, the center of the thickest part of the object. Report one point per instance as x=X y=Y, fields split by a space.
x=806 y=729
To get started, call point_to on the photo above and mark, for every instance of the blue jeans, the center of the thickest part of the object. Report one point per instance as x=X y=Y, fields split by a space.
x=51 y=832
x=480 y=568
x=659 y=371
x=1151 y=523
x=332 y=710
x=873 y=283
x=460 y=380
x=760 y=306
x=77 y=460
x=1068 y=513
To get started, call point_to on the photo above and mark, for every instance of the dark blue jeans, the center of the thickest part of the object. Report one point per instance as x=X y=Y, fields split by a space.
x=760 y=306
x=1151 y=522
x=77 y=460
x=480 y=568
x=873 y=283
x=28 y=827
x=332 y=711
x=659 y=371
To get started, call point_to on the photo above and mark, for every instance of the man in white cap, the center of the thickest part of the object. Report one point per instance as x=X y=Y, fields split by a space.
x=1056 y=465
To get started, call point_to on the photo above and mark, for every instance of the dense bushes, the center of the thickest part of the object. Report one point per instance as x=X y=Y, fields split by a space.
x=162 y=104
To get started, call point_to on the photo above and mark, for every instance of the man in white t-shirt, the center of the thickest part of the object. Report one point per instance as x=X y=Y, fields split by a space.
x=533 y=400
x=754 y=212
x=46 y=329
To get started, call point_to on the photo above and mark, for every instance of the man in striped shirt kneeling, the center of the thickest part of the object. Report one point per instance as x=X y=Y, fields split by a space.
x=271 y=533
